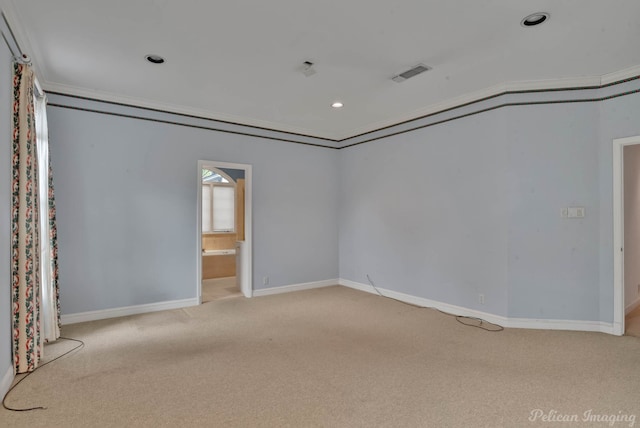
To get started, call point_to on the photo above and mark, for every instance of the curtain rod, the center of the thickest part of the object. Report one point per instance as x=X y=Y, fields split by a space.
x=14 y=47
x=12 y=43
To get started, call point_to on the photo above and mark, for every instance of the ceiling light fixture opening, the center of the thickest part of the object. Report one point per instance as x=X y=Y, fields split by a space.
x=534 y=19
x=154 y=59
x=337 y=104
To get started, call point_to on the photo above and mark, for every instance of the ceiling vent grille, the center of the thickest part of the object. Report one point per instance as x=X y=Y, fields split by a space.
x=414 y=71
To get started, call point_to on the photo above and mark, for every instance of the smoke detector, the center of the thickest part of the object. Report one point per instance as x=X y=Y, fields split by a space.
x=307 y=69
x=413 y=71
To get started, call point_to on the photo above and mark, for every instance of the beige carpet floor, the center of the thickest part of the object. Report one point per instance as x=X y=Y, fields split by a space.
x=219 y=288
x=330 y=357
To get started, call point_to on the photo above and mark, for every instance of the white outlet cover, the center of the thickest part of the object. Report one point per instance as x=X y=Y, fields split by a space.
x=573 y=212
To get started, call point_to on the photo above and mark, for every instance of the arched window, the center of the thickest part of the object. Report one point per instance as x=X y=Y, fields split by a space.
x=209 y=176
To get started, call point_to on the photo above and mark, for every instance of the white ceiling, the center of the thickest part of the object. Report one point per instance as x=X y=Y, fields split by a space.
x=240 y=60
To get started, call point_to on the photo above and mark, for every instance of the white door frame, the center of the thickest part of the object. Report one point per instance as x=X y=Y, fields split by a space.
x=618 y=231
x=246 y=257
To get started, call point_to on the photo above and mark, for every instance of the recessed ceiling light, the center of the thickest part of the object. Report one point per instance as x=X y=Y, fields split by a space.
x=154 y=59
x=534 y=19
x=337 y=104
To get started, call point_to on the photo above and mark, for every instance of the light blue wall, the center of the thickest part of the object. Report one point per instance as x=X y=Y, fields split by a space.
x=126 y=194
x=553 y=163
x=619 y=118
x=6 y=90
x=473 y=206
x=425 y=213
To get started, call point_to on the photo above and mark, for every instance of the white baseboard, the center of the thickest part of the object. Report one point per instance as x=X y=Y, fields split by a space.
x=177 y=304
x=357 y=286
x=632 y=306
x=295 y=287
x=572 y=325
x=541 y=324
x=426 y=303
x=127 y=310
x=538 y=324
x=6 y=381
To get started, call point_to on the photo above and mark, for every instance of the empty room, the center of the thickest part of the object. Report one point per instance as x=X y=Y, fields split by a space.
x=320 y=214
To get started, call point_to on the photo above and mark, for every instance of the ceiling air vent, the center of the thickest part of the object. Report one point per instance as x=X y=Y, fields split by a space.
x=414 y=71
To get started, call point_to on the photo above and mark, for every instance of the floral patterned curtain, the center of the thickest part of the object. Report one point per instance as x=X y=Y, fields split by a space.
x=25 y=239
x=53 y=243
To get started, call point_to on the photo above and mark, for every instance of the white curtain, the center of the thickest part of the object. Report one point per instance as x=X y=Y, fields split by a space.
x=49 y=309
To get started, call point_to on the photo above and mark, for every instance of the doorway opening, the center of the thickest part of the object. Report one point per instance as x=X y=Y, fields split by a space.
x=224 y=230
x=626 y=235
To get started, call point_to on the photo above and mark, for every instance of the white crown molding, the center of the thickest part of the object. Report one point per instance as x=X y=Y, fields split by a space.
x=23 y=39
x=529 y=323
x=126 y=310
x=179 y=109
x=618 y=76
x=294 y=287
x=496 y=90
x=550 y=84
x=341 y=139
x=432 y=109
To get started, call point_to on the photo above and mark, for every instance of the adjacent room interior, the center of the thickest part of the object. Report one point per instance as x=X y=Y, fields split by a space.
x=222 y=231
x=319 y=214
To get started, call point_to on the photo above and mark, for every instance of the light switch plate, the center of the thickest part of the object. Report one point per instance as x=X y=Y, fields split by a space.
x=575 y=212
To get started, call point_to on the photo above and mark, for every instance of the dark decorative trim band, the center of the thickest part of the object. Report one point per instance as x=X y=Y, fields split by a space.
x=527 y=103
x=490 y=97
x=249 y=134
x=188 y=125
x=190 y=116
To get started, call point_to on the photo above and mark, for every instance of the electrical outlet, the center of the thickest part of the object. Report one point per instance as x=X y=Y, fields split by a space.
x=265 y=280
x=481 y=298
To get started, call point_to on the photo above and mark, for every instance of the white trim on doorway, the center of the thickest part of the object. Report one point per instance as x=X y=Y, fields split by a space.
x=246 y=276
x=618 y=231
